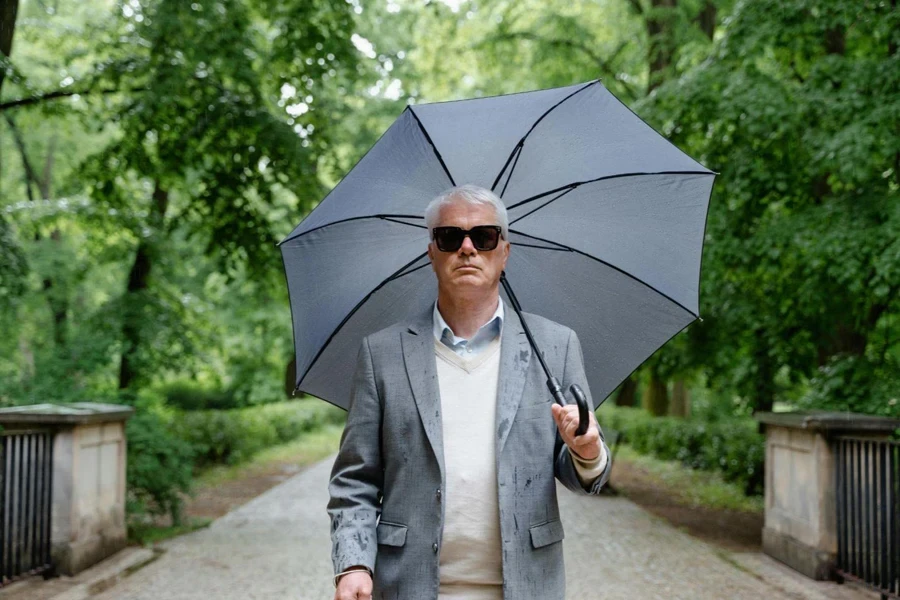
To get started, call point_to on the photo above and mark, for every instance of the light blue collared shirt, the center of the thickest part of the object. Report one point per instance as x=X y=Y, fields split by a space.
x=486 y=334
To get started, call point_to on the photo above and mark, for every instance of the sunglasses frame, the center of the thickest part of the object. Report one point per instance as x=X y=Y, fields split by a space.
x=467 y=233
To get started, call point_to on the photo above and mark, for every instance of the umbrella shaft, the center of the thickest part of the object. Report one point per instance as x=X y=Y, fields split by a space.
x=518 y=308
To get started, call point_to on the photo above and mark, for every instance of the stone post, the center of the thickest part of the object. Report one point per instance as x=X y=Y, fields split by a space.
x=800 y=503
x=88 y=493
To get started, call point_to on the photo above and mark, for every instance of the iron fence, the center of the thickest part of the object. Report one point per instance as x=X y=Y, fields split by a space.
x=868 y=507
x=26 y=482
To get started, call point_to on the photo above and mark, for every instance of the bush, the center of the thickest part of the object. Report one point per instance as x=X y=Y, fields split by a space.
x=232 y=436
x=733 y=446
x=189 y=395
x=159 y=466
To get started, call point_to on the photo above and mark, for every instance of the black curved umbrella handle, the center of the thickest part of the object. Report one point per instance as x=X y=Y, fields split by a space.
x=580 y=400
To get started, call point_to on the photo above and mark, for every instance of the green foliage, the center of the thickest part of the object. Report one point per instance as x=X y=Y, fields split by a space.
x=851 y=383
x=187 y=395
x=160 y=466
x=797 y=108
x=235 y=435
x=13 y=266
x=733 y=447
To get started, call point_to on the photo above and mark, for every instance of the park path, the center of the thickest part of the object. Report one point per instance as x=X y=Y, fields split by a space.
x=277 y=546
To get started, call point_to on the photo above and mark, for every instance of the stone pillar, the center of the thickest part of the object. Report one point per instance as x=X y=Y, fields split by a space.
x=801 y=514
x=88 y=494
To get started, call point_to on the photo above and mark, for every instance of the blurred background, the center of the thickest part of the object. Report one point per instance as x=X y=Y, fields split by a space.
x=152 y=153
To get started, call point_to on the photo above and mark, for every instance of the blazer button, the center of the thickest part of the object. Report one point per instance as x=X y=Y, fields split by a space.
x=439 y=493
x=434 y=547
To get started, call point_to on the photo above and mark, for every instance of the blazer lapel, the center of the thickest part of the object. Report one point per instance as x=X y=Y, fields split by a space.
x=421 y=368
x=515 y=356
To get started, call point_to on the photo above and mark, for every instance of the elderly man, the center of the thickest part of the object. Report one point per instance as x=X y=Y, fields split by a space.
x=444 y=486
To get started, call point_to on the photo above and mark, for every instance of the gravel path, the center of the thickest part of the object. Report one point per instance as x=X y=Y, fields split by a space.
x=277 y=547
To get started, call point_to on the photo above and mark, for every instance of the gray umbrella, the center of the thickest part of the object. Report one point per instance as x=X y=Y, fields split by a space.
x=607 y=220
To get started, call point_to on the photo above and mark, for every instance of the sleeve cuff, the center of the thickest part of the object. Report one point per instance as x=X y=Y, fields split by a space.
x=350 y=570
x=589 y=470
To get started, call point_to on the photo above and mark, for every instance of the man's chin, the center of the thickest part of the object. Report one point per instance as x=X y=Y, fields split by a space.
x=469 y=281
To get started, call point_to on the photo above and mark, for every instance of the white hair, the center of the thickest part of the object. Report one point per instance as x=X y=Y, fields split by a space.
x=470 y=194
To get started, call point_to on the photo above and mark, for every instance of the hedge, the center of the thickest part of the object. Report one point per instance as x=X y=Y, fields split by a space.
x=230 y=436
x=734 y=447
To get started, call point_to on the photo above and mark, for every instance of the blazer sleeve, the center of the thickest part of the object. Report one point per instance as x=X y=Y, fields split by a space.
x=357 y=477
x=564 y=467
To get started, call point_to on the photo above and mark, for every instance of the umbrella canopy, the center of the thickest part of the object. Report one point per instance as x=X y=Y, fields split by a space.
x=607 y=220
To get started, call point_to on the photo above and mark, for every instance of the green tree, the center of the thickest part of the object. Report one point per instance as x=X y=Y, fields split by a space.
x=798 y=108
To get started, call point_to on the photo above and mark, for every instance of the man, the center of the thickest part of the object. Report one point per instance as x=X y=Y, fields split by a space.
x=452 y=437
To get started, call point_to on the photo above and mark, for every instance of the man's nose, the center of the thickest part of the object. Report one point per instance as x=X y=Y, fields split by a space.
x=467 y=247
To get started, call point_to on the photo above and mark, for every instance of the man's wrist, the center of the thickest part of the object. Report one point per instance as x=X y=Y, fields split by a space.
x=354 y=569
x=587 y=460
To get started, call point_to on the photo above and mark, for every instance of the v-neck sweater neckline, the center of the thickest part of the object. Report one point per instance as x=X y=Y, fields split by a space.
x=468 y=365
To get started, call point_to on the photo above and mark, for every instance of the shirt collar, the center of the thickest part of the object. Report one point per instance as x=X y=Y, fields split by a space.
x=442 y=331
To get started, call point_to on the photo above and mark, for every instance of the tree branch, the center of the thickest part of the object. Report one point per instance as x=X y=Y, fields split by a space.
x=604 y=66
x=61 y=94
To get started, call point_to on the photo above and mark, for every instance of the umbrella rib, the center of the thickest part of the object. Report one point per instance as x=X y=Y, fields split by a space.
x=539 y=247
x=399 y=275
x=433 y=147
x=567 y=190
x=385 y=217
x=512 y=170
x=353 y=312
x=521 y=143
x=404 y=222
x=572 y=186
x=612 y=266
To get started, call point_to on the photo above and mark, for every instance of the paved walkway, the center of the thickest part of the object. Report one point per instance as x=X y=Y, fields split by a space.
x=278 y=547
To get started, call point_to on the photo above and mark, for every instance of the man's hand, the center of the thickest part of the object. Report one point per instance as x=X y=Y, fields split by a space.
x=586 y=446
x=354 y=586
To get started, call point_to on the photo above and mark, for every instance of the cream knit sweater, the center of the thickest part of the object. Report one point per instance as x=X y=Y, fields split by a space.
x=471 y=565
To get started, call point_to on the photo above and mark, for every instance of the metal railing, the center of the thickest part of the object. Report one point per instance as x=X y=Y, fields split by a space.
x=26 y=482
x=868 y=513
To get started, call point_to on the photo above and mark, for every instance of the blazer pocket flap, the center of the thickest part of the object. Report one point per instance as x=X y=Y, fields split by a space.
x=391 y=534
x=547 y=533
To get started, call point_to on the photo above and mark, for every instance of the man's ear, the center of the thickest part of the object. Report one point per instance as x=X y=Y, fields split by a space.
x=431 y=253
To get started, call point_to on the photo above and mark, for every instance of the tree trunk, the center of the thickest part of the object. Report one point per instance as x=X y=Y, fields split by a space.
x=764 y=387
x=138 y=282
x=290 y=377
x=661 y=36
x=58 y=300
x=706 y=20
x=31 y=178
x=680 y=406
x=656 y=396
x=627 y=392
x=8 y=10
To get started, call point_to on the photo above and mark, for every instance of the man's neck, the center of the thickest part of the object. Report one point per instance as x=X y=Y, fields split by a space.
x=466 y=316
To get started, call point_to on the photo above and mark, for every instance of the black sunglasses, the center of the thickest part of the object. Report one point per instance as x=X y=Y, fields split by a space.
x=450 y=239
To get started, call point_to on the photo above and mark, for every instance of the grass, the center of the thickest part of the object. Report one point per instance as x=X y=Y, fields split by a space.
x=693 y=487
x=147 y=534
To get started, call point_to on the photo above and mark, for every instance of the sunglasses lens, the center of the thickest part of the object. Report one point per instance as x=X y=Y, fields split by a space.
x=484 y=237
x=448 y=239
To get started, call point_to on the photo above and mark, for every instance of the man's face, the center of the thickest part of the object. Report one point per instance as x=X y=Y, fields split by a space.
x=468 y=269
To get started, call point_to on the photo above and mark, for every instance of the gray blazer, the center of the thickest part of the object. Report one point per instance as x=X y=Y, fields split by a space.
x=391 y=462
